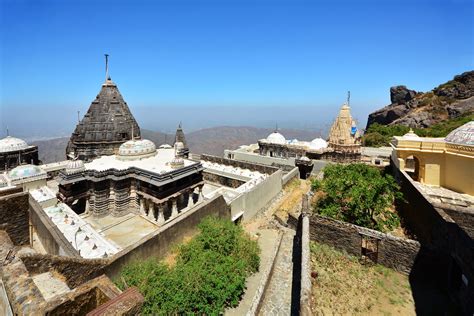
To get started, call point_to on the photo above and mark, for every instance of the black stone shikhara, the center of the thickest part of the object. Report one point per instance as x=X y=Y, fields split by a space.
x=107 y=124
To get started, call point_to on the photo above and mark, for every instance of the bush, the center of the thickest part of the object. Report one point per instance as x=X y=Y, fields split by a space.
x=358 y=194
x=209 y=274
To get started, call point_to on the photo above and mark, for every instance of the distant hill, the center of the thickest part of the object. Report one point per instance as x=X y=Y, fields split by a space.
x=210 y=140
x=448 y=101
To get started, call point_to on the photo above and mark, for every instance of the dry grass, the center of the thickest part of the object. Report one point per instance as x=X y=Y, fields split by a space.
x=344 y=286
x=293 y=191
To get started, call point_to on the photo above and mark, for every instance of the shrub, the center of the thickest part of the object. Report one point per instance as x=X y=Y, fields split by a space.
x=359 y=194
x=209 y=274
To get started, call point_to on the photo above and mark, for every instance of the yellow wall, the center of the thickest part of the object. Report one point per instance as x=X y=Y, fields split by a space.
x=459 y=174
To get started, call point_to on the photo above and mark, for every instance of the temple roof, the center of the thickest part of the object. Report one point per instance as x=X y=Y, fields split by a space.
x=108 y=121
x=9 y=143
x=463 y=135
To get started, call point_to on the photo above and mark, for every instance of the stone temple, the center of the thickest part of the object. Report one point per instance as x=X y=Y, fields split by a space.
x=107 y=124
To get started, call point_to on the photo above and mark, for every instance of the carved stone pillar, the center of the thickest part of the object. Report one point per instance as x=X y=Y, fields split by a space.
x=190 y=199
x=87 y=207
x=174 y=208
x=160 y=218
x=133 y=203
x=151 y=211
x=201 y=196
x=112 y=208
x=142 y=206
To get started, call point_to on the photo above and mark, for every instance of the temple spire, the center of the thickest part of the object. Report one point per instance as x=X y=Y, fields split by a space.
x=106 y=66
x=348 y=98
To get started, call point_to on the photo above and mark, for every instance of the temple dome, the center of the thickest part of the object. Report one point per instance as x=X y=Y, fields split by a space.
x=74 y=166
x=463 y=135
x=140 y=148
x=9 y=143
x=318 y=143
x=25 y=171
x=276 y=138
x=411 y=135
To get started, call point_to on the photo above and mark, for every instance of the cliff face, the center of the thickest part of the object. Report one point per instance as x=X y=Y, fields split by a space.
x=416 y=109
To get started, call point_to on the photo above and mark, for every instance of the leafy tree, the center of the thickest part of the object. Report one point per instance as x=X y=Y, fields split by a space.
x=209 y=274
x=358 y=194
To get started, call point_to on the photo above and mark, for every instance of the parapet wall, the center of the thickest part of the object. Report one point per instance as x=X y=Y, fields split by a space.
x=51 y=238
x=160 y=242
x=240 y=164
x=393 y=252
x=258 y=197
x=14 y=217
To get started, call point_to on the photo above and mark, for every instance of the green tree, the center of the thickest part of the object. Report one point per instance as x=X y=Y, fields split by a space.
x=209 y=274
x=358 y=194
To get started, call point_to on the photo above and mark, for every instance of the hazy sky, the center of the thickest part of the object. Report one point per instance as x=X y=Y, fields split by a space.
x=223 y=62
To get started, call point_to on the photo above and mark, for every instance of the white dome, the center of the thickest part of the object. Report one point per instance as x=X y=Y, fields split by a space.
x=276 y=138
x=74 y=166
x=318 y=143
x=25 y=171
x=12 y=144
x=137 y=149
x=165 y=146
x=411 y=135
x=463 y=135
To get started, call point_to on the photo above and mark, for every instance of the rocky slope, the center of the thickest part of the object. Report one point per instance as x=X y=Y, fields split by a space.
x=417 y=109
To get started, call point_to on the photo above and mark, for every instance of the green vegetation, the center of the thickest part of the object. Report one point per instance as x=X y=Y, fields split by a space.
x=209 y=274
x=380 y=135
x=358 y=194
x=344 y=286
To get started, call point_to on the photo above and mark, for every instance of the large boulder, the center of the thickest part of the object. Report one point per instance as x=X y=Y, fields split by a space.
x=401 y=95
x=449 y=100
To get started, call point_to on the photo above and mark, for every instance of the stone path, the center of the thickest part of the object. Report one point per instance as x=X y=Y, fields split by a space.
x=277 y=300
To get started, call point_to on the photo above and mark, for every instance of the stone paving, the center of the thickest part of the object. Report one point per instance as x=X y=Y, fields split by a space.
x=277 y=299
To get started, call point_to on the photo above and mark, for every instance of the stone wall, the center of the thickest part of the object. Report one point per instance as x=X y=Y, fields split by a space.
x=223 y=180
x=48 y=233
x=304 y=255
x=240 y=164
x=159 y=243
x=393 y=252
x=440 y=233
x=258 y=197
x=14 y=217
x=292 y=174
x=76 y=271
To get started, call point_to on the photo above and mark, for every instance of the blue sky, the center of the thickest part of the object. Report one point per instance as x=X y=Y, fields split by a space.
x=240 y=55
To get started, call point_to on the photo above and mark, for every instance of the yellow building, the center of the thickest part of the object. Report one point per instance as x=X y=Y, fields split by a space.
x=446 y=162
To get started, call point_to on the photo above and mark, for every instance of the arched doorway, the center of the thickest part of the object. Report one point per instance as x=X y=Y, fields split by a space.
x=412 y=167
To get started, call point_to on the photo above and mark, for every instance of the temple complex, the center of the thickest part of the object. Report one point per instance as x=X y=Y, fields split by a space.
x=107 y=124
x=343 y=144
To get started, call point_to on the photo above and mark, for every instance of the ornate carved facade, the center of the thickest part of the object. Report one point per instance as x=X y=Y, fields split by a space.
x=107 y=124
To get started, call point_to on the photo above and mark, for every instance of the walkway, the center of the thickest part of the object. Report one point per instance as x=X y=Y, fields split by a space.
x=277 y=297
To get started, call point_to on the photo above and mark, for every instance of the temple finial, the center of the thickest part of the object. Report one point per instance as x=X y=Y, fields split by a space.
x=180 y=124
x=276 y=127
x=8 y=132
x=133 y=136
x=106 y=66
x=348 y=98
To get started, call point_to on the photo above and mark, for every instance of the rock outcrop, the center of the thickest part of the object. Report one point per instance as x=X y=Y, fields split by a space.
x=416 y=109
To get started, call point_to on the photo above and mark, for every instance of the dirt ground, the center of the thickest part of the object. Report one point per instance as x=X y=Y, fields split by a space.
x=344 y=286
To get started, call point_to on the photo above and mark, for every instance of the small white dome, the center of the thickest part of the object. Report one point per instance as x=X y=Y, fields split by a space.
x=276 y=138
x=9 y=143
x=318 y=143
x=411 y=135
x=140 y=148
x=25 y=171
x=178 y=145
x=165 y=146
x=74 y=166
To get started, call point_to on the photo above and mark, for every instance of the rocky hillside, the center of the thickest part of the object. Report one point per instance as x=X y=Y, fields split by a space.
x=450 y=100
